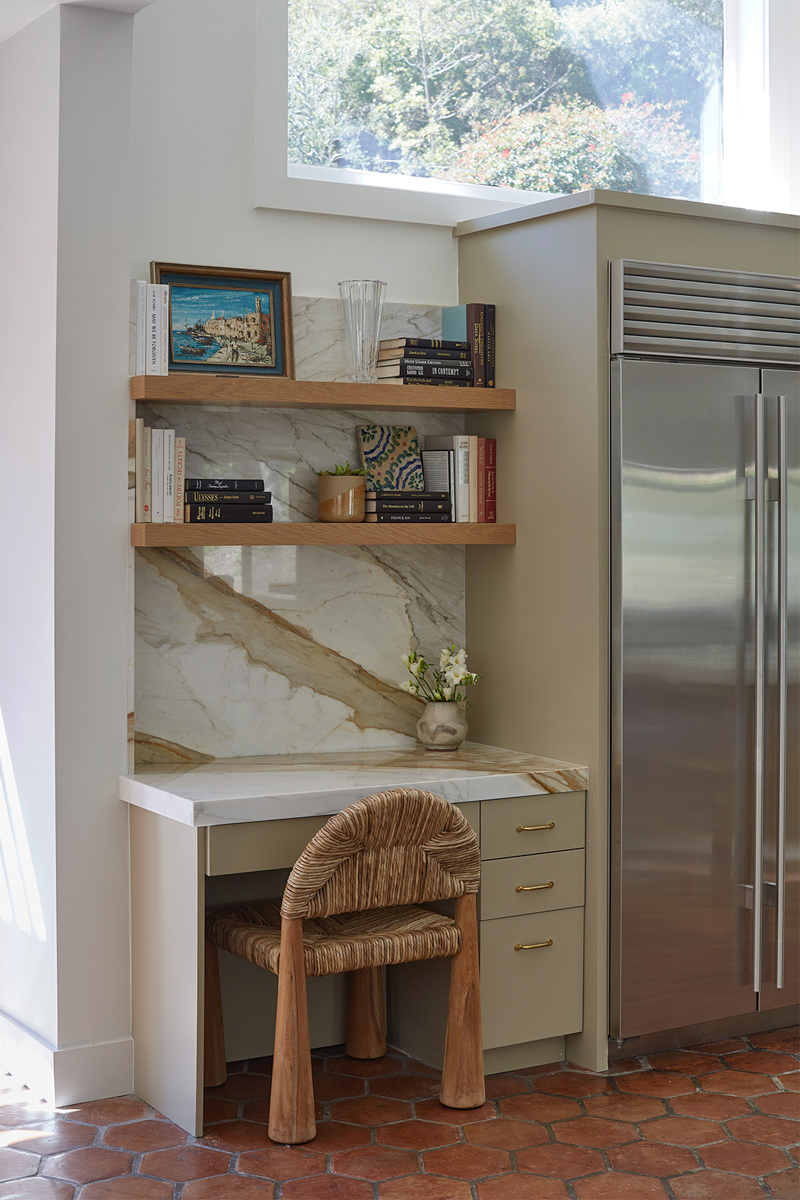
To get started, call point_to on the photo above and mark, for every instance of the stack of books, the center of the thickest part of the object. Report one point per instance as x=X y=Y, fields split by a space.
x=416 y=507
x=239 y=501
x=474 y=324
x=425 y=361
x=467 y=466
x=149 y=328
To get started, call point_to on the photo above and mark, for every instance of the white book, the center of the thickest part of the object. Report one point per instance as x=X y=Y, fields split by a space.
x=169 y=476
x=473 y=479
x=137 y=328
x=153 y=324
x=163 y=335
x=147 y=467
x=158 y=476
x=437 y=468
x=180 y=475
x=459 y=444
x=139 y=469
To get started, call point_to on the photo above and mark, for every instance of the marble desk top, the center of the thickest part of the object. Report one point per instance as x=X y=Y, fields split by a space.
x=279 y=787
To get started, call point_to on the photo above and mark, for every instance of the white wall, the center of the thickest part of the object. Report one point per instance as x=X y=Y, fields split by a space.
x=193 y=148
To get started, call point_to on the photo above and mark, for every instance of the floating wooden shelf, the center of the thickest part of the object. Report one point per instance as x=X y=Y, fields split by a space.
x=245 y=391
x=308 y=533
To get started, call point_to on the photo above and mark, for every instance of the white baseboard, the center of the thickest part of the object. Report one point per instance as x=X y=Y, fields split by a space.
x=69 y=1075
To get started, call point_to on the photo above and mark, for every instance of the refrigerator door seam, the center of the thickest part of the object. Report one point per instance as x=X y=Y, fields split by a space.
x=760 y=682
x=780 y=918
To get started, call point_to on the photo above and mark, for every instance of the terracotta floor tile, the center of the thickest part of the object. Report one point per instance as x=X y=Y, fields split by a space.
x=256 y=1110
x=36 y=1189
x=540 y=1108
x=770 y=1062
x=128 y=1188
x=595 y=1131
x=260 y=1066
x=241 y=1087
x=744 y=1158
x=425 y=1187
x=505 y=1134
x=573 y=1083
x=405 y=1086
x=522 y=1187
x=370 y=1110
x=333 y=1135
x=714 y=1105
x=542 y=1069
x=49 y=1137
x=657 y=1083
x=417 y=1067
x=563 y=1162
x=682 y=1131
x=282 y=1162
x=725 y=1046
x=505 y=1085
x=618 y=1066
x=237 y=1135
x=615 y=1185
x=365 y=1068
x=434 y=1110
x=782 y=1104
x=772 y=1131
x=467 y=1162
x=330 y=1086
x=16 y=1164
x=327 y=1187
x=229 y=1187
x=622 y=1106
x=417 y=1135
x=650 y=1158
x=715 y=1185
x=791 y=1082
x=23 y=1112
x=778 y=1039
x=108 y=1112
x=686 y=1062
x=188 y=1162
x=140 y=1136
x=785 y=1186
x=88 y=1164
x=736 y=1083
x=218 y=1110
x=374 y=1163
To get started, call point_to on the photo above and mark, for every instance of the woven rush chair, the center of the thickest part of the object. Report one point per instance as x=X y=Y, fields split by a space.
x=351 y=904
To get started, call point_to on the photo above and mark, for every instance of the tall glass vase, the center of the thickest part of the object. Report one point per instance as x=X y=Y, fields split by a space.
x=362 y=305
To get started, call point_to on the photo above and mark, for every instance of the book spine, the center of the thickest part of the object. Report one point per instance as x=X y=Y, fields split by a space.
x=473 y=480
x=158 y=476
x=228 y=513
x=409 y=518
x=489 y=335
x=426 y=370
x=169 y=476
x=481 y=480
x=389 y=494
x=193 y=497
x=476 y=335
x=153 y=313
x=422 y=343
x=141 y=327
x=138 y=468
x=491 y=479
x=224 y=485
x=462 y=478
x=415 y=381
x=147 y=471
x=163 y=332
x=408 y=506
x=133 y=325
x=410 y=354
x=180 y=467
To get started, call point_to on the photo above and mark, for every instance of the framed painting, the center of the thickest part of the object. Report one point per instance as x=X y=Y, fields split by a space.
x=227 y=321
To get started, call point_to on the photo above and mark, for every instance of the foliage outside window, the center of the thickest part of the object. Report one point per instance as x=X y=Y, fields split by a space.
x=540 y=95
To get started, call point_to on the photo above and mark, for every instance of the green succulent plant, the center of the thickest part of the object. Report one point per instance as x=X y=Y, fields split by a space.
x=344 y=470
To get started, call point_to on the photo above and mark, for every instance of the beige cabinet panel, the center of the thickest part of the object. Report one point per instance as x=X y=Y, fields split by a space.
x=500 y=878
x=527 y=995
x=500 y=818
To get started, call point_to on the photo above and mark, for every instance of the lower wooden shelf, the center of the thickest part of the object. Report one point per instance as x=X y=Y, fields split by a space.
x=309 y=533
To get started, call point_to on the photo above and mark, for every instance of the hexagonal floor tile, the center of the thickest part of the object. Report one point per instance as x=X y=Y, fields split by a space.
x=768 y=1062
x=370 y=1110
x=622 y=1106
x=16 y=1164
x=89 y=1164
x=141 y=1136
x=425 y=1187
x=744 y=1158
x=736 y=1083
x=560 y=1161
x=374 y=1163
x=782 y=1104
x=595 y=1131
x=327 y=1187
x=616 y=1185
x=657 y=1083
x=335 y=1135
x=36 y=1189
x=573 y=1083
x=467 y=1162
x=405 y=1087
x=522 y=1187
x=715 y=1185
x=685 y=1062
x=434 y=1110
x=112 y=1111
x=785 y=1186
x=652 y=1158
x=234 y=1136
x=716 y=1106
x=128 y=1188
x=185 y=1163
x=417 y=1135
x=49 y=1137
x=541 y=1108
x=282 y=1162
x=228 y=1187
x=778 y=1039
x=330 y=1086
x=773 y=1131
x=506 y=1134
x=683 y=1131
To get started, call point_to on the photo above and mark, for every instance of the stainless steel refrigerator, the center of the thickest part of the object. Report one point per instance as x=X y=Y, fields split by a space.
x=705 y=651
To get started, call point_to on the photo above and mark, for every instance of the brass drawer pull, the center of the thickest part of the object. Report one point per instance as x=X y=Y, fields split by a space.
x=532 y=828
x=534 y=945
x=534 y=887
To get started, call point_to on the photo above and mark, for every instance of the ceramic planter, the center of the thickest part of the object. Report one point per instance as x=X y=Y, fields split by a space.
x=341 y=497
x=441 y=726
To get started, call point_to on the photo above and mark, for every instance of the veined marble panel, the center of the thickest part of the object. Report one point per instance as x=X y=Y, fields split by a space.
x=287 y=649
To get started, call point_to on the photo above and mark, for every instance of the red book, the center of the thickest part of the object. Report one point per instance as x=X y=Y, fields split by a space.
x=476 y=336
x=482 y=479
x=491 y=479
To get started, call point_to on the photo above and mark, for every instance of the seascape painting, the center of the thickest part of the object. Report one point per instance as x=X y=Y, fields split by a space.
x=231 y=327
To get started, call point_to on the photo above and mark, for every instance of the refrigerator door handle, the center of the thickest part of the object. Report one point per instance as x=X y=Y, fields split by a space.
x=760 y=683
x=783 y=543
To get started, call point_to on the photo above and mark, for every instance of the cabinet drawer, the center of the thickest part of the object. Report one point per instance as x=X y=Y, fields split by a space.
x=500 y=818
x=501 y=877
x=527 y=995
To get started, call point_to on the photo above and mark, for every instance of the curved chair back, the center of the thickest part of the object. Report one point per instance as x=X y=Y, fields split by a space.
x=398 y=847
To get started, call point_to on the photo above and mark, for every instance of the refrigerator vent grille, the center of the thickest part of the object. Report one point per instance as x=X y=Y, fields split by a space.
x=662 y=310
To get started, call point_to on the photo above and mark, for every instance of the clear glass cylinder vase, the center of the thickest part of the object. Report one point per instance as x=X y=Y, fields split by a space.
x=362 y=305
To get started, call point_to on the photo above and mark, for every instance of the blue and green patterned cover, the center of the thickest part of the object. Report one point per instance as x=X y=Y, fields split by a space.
x=391 y=455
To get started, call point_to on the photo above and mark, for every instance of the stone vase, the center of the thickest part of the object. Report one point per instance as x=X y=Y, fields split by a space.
x=442 y=725
x=341 y=497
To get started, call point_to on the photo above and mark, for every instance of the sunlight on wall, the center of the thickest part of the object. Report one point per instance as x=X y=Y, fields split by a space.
x=19 y=895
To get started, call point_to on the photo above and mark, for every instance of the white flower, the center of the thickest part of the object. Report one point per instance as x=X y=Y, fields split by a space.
x=460 y=658
x=455 y=674
x=405 y=659
x=414 y=668
x=444 y=659
x=447 y=693
x=408 y=685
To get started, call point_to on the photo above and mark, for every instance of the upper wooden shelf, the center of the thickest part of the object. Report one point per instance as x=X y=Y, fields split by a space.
x=309 y=533
x=246 y=391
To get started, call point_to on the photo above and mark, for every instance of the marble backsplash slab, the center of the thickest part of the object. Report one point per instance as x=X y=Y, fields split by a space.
x=288 y=649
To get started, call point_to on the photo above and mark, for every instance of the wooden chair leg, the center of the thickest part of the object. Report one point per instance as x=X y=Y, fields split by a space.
x=366 y=1014
x=214 y=1070
x=291 y=1114
x=462 y=1073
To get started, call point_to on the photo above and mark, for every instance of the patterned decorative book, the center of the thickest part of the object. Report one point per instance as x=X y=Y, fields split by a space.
x=391 y=455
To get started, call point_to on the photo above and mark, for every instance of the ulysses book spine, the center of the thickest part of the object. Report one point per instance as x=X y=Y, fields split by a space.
x=228 y=513
x=194 y=497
